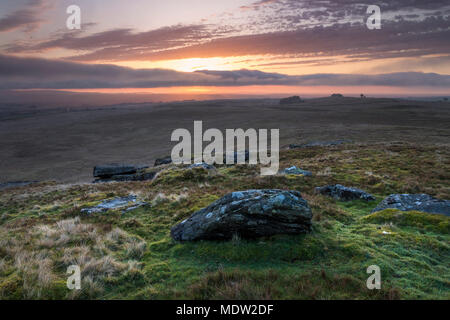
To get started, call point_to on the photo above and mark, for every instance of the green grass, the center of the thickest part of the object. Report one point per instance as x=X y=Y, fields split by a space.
x=133 y=257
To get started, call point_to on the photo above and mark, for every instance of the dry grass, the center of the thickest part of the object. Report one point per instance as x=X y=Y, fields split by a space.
x=271 y=284
x=42 y=257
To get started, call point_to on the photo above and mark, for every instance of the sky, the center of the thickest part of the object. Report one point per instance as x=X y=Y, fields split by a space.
x=256 y=47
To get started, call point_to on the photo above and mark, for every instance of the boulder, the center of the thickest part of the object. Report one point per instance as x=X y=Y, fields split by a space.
x=290 y=100
x=339 y=192
x=106 y=171
x=161 y=161
x=417 y=202
x=138 y=176
x=337 y=95
x=248 y=214
x=297 y=171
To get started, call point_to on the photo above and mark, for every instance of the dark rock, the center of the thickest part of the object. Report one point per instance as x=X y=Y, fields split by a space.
x=297 y=171
x=14 y=184
x=139 y=176
x=339 y=192
x=161 y=161
x=417 y=202
x=106 y=171
x=290 y=100
x=319 y=144
x=248 y=214
x=337 y=95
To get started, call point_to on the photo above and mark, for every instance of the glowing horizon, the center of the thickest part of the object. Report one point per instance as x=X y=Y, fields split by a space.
x=254 y=90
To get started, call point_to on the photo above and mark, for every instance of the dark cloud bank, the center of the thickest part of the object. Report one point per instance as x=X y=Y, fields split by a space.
x=36 y=73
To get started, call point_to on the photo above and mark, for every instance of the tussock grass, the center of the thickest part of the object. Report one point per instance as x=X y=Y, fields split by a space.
x=40 y=258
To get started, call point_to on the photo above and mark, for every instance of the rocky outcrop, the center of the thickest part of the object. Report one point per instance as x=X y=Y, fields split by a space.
x=297 y=171
x=109 y=170
x=417 y=202
x=115 y=172
x=339 y=192
x=290 y=100
x=337 y=95
x=161 y=161
x=126 y=203
x=248 y=214
x=319 y=144
x=138 y=176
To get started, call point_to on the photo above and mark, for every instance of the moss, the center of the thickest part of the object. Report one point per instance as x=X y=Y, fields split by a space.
x=420 y=220
x=175 y=175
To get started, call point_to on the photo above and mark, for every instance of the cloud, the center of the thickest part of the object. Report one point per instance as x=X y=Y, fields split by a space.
x=123 y=39
x=258 y=4
x=396 y=38
x=28 y=18
x=301 y=27
x=35 y=73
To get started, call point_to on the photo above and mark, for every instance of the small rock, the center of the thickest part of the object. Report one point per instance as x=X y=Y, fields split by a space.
x=339 y=192
x=138 y=205
x=202 y=165
x=161 y=161
x=116 y=203
x=247 y=214
x=290 y=100
x=416 y=202
x=296 y=171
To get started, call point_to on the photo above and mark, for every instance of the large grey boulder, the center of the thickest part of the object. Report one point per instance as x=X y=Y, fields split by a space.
x=418 y=202
x=248 y=214
x=340 y=192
